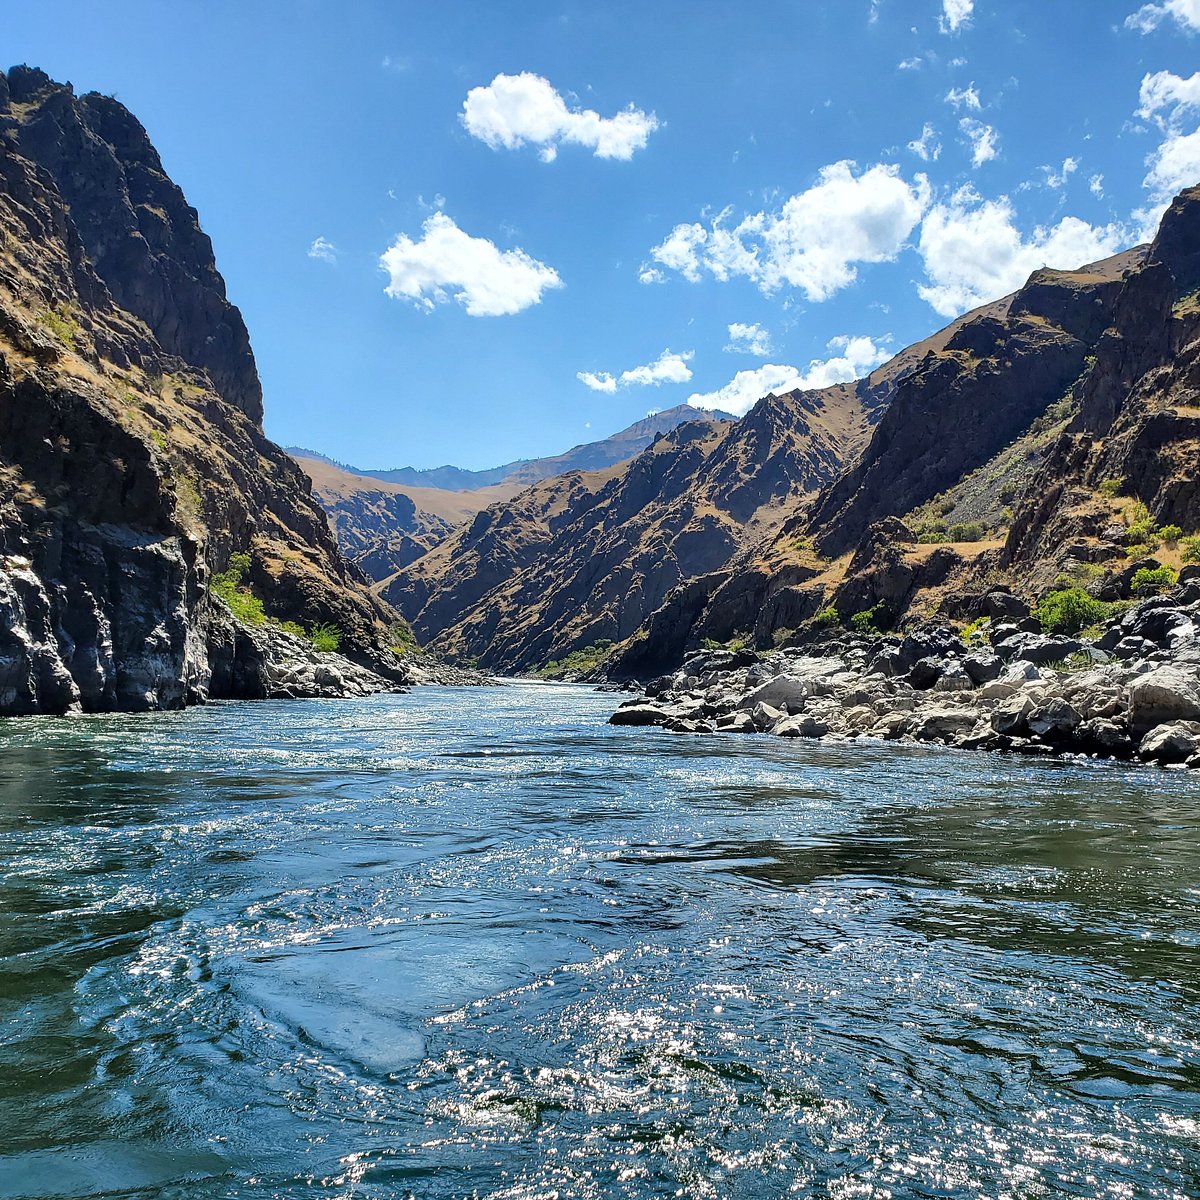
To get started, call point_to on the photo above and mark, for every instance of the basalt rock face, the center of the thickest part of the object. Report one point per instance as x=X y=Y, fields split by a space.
x=1138 y=423
x=964 y=404
x=138 y=231
x=132 y=463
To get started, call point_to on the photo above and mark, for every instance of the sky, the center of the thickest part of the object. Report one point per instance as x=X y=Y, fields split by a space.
x=473 y=232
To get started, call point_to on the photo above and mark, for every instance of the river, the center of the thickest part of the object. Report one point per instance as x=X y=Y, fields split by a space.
x=477 y=943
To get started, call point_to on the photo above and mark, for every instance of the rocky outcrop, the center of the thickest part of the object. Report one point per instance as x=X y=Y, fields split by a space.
x=965 y=403
x=1020 y=692
x=133 y=466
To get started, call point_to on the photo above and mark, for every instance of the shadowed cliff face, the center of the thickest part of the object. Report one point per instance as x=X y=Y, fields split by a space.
x=139 y=233
x=131 y=457
x=962 y=405
x=1138 y=422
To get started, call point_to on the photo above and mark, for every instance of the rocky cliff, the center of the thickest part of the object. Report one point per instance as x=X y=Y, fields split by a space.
x=133 y=460
x=586 y=558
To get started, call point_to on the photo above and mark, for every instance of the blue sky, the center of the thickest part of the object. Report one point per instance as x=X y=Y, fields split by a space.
x=472 y=232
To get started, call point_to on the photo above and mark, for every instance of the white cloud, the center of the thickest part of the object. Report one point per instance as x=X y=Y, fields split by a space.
x=323 y=249
x=668 y=367
x=973 y=251
x=983 y=139
x=813 y=242
x=450 y=264
x=852 y=358
x=1175 y=165
x=517 y=109
x=955 y=14
x=748 y=339
x=926 y=147
x=966 y=97
x=1166 y=98
x=1096 y=185
x=598 y=382
x=1150 y=16
x=910 y=64
x=1057 y=177
x=1166 y=93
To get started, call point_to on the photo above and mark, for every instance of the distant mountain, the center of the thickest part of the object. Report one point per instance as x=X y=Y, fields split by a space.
x=590 y=456
x=385 y=520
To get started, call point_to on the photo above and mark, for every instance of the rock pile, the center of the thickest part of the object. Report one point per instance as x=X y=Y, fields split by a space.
x=1132 y=693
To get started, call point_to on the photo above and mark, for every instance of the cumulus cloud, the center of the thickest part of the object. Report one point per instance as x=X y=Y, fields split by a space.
x=448 y=264
x=1096 y=185
x=515 y=110
x=813 y=242
x=966 y=97
x=1186 y=13
x=668 y=367
x=748 y=339
x=1175 y=165
x=973 y=251
x=1164 y=96
x=926 y=147
x=1167 y=99
x=850 y=358
x=323 y=249
x=982 y=138
x=955 y=14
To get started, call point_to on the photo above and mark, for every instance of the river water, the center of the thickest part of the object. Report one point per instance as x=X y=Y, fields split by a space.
x=480 y=944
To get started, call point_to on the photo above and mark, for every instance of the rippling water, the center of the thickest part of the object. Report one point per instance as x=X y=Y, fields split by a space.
x=479 y=944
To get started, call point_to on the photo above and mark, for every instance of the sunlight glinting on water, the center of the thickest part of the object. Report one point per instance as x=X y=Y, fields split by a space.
x=482 y=945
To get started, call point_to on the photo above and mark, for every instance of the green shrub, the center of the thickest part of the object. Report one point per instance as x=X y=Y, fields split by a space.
x=61 y=323
x=1191 y=548
x=1110 y=488
x=976 y=631
x=864 y=622
x=1069 y=610
x=325 y=637
x=582 y=661
x=401 y=638
x=242 y=602
x=1170 y=534
x=294 y=628
x=1152 y=581
x=827 y=617
x=971 y=531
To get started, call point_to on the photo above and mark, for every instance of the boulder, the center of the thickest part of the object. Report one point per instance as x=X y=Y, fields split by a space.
x=1001 y=605
x=941 y=724
x=1176 y=742
x=925 y=673
x=983 y=666
x=737 y=722
x=1009 y=716
x=1163 y=695
x=806 y=726
x=763 y=716
x=638 y=714
x=1055 y=719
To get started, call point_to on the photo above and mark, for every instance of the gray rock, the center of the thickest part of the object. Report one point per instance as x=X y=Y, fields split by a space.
x=638 y=714
x=1054 y=719
x=1176 y=742
x=805 y=725
x=1163 y=695
x=983 y=666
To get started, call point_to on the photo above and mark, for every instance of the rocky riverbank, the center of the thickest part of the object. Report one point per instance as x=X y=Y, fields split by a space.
x=1131 y=693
